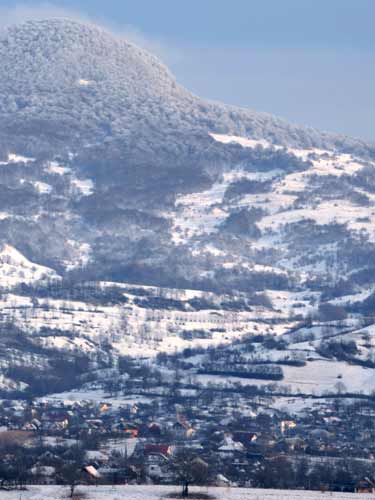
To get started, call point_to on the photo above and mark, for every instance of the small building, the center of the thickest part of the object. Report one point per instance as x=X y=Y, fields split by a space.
x=91 y=472
x=365 y=485
x=160 y=449
x=287 y=425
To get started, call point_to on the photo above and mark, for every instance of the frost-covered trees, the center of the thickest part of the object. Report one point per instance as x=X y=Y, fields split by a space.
x=60 y=77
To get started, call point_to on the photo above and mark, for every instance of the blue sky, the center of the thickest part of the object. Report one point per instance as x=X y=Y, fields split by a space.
x=310 y=61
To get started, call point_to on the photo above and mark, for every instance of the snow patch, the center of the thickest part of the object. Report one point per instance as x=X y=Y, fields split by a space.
x=54 y=167
x=84 y=186
x=14 y=158
x=16 y=269
x=81 y=255
x=84 y=83
x=42 y=187
x=243 y=141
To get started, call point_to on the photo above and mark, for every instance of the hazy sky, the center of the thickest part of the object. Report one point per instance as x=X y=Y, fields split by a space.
x=310 y=61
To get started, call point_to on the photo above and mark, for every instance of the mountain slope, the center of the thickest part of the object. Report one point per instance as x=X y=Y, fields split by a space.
x=76 y=82
x=15 y=269
x=227 y=222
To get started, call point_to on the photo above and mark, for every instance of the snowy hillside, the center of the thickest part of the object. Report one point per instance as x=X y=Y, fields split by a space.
x=137 y=219
x=93 y=88
x=101 y=323
x=117 y=181
x=16 y=269
x=325 y=194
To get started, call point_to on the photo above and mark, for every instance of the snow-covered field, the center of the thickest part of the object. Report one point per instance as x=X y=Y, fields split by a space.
x=161 y=492
x=316 y=378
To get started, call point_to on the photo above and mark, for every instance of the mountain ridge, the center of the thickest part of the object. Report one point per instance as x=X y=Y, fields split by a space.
x=122 y=88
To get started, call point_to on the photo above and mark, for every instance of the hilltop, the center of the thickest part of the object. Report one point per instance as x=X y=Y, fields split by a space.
x=74 y=82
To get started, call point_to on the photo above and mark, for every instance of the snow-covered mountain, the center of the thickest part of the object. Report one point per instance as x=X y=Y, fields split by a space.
x=136 y=217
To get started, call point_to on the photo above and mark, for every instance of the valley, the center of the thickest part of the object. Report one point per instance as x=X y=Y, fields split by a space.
x=180 y=281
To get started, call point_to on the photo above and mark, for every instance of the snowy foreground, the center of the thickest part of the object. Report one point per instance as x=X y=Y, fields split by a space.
x=161 y=492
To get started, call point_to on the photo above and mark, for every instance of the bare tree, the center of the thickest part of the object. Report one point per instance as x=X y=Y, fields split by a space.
x=189 y=469
x=72 y=471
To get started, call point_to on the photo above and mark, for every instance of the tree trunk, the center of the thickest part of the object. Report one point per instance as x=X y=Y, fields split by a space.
x=185 y=490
